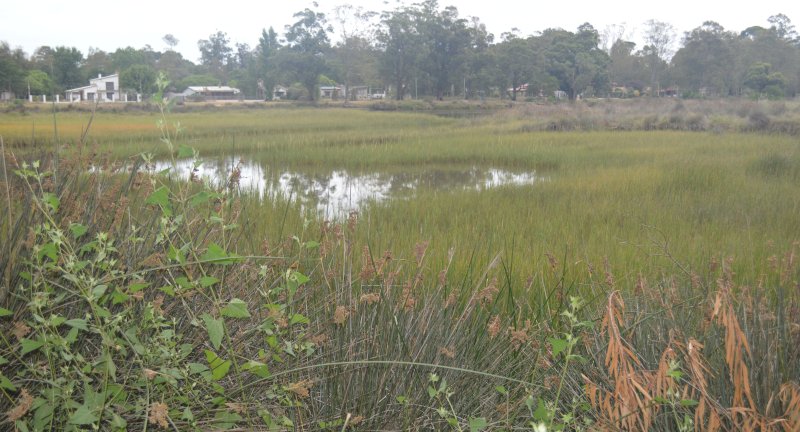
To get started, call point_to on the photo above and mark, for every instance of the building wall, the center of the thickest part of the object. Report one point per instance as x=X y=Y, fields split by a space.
x=106 y=88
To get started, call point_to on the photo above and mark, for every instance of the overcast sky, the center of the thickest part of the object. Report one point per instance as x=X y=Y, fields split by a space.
x=109 y=25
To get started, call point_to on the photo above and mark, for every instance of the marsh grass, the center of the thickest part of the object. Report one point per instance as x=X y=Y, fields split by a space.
x=344 y=333
x=635 y=289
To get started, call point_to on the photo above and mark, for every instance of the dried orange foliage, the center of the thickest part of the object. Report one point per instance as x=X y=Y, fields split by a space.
x=628 y=405
x=736 y=346
x=706 y=415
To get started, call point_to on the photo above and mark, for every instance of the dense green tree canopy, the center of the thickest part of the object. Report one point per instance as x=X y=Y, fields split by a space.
x=427 y=49
x=307 y=43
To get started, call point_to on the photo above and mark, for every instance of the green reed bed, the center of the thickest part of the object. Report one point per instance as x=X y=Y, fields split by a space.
x=131 y=302
x=648 y=282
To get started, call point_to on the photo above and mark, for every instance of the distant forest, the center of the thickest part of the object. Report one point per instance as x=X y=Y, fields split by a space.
x=425 y=50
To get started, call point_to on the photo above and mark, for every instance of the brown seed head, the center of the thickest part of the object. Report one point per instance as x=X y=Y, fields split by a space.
x=493 y=328
x=24 y=403
x=340 y=315
x=301 y=389
x=159 y=413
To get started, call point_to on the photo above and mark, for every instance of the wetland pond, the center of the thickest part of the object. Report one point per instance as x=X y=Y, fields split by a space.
x=336 y=192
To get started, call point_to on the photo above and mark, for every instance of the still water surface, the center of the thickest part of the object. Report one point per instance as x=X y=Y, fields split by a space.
x=334 y=193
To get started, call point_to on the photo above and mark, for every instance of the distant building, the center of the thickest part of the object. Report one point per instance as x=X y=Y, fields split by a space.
x=211 y=93
x=331 y=92
x=353 y=93
x=359 y=93
x=6 y=96
x=102 y=89
x=521 y=90
x=279 y=92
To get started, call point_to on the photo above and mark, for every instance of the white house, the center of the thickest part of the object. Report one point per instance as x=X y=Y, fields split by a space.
x=102 y=88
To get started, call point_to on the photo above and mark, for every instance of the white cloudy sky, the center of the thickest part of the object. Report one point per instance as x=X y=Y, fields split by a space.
x=110 y=24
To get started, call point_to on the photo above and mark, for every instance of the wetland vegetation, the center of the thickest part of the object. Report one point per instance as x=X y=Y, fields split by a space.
x=618 y=265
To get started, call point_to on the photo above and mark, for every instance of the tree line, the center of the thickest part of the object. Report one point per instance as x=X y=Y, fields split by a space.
x=425 y=50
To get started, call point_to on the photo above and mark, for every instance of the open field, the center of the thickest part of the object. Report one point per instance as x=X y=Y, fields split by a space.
x=646 y=278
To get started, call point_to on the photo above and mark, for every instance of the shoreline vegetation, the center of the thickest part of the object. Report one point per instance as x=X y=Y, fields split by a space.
x=651 y=284
x=643 y=114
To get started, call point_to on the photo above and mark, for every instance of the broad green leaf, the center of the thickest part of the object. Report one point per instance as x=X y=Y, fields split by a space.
x=299 y=278
x=196 y=368
x=57 y=320
x=689 y=402
x=207 y=281
x=29 y=345
x=202 y=197
x=117 y=422
x=431 y=392
x=6 y=383
x=477 y=424
x=541 y=413
x=559 y=345
x=42 y=417
x=138 y=286
x=185 y=151
x=175 y=254
x=256 y=368
x=5 y=312
x=77 y=230
x=236 y=308
x=215 y=328
x=72 y=336
x=187 y=415
x=160 y=198
x=3 y=360
x=225 y=420
x=83 y=416
x=298 y=319
x=217 y=255
x=119 y=297
x=48 y=250
x=77 y=323
x=52 y=201
x=219 y=367
x=99 y=290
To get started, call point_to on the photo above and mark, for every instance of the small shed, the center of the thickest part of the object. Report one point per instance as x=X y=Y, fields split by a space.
x=212 y=93
x=279 y=92
x=330 y=92
x=359 y=93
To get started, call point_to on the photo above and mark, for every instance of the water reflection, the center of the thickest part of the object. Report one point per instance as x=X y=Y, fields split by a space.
x=338 y=192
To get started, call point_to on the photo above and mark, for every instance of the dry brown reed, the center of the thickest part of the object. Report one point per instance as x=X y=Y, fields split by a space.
x=706 y=415
x=736 y=347
x=628 y=406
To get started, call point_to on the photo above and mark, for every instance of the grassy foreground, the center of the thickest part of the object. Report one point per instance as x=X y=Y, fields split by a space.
x=133 y=302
